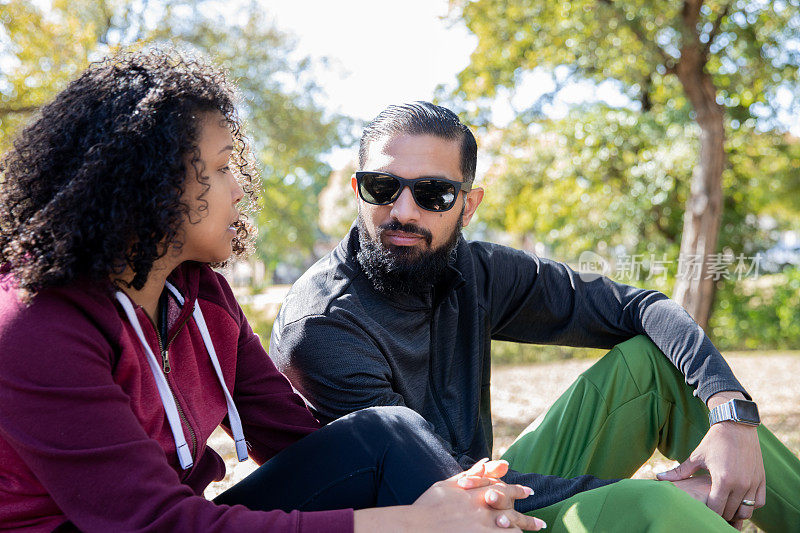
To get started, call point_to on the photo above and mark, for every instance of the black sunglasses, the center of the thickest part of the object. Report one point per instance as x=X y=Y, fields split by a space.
x=431 y=194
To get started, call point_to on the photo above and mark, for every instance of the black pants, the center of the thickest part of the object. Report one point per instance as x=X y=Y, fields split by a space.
x=372 y=458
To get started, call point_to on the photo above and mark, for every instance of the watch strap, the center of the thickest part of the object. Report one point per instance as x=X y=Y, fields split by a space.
x=721 y=413
x=728 y=411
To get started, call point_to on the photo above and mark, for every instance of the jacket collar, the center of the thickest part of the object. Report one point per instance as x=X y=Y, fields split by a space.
x=185 y=278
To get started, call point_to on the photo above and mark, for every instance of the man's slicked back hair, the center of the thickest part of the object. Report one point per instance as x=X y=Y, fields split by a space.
x=421 y=118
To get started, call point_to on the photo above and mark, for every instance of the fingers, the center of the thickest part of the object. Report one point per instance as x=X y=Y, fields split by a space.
x=728 y=491
x=734 y=504
x=475 y=482
x=738 y=524
x=717 y=498
x=495 y=469
x=744 y=512
x=682 y=471
x=504 y=522
x=509 y=519
x=761 y=495
x=725 y=499
x=503 y=496
x=477 y=468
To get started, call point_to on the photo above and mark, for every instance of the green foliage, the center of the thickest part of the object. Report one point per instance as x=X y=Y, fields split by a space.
x=617 y=180
x=40 y=55
x=290 y=131
x=614 y=180
x=758 y=315
x=337 y=205
x=637 y=43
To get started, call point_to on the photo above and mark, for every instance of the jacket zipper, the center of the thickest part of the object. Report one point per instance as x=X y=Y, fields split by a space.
x=164 y=354
x=191 y=432
x=164 y=349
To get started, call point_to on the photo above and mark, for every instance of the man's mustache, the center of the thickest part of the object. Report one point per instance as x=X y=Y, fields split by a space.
x=396 y=225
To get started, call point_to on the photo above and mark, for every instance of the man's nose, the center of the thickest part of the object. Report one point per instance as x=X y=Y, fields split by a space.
x=405 y=208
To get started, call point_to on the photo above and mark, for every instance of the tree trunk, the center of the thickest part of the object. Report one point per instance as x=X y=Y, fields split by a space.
x=694 y=289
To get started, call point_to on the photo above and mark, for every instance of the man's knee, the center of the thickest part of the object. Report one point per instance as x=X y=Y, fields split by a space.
x=639 y=350
x=644 y=362
x=393 y=421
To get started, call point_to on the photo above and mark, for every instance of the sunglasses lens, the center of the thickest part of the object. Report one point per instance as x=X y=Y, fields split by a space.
x=434 y=195
x=377 y=188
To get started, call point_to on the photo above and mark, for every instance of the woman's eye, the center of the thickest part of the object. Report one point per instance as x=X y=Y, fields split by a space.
x=225 y=169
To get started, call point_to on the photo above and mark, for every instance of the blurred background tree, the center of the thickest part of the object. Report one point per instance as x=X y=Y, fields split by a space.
x=41 y=51
x=709 y=85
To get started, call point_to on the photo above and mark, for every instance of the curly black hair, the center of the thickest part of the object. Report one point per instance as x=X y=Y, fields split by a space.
x=93 y=185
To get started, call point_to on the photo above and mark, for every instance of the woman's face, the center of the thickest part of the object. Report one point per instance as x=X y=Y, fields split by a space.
x=211 y=195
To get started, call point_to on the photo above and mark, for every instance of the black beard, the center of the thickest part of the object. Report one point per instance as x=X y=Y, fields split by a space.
x=404 y=270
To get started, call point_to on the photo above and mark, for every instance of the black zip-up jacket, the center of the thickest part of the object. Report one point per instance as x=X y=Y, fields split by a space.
x=345 y=346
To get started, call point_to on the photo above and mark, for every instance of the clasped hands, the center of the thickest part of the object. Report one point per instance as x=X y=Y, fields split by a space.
x=479 y=494
x=731 y=454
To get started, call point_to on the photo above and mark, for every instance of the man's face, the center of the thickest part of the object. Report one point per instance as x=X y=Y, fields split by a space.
x=403 y=226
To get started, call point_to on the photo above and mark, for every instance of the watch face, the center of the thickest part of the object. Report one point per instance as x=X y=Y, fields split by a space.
x=746 y=411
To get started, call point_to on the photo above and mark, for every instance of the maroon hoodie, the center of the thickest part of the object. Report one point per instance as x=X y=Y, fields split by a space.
x=83 y=434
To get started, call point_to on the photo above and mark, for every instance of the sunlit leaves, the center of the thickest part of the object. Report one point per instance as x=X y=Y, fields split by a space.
x=753 y=48
x=41 y=51
x=615 y=181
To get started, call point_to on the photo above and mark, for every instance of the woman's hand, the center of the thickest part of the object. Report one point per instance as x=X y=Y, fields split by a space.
x=447 y=506
x=486 y=473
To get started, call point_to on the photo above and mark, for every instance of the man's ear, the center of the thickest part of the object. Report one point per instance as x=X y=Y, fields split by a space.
x=473 y=200
x=354 y=185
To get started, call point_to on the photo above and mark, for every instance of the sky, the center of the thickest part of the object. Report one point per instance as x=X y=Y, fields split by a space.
x=382 y=51
x=386 y=52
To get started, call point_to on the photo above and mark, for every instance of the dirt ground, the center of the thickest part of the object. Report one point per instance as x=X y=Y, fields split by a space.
x=522 y=393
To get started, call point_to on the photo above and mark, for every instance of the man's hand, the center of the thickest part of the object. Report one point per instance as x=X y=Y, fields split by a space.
x=698 y=487
x=732 y=455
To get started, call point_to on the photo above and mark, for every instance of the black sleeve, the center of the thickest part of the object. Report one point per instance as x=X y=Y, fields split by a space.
x=540 y=301
x=317 y=353
x=548 y=490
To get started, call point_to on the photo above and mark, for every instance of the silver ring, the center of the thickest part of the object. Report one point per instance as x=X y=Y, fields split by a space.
x=749 y=503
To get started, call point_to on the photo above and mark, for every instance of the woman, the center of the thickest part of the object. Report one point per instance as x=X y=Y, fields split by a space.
x=122 y=350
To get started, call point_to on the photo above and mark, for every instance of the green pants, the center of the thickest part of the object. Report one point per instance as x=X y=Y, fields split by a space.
x=609 y=422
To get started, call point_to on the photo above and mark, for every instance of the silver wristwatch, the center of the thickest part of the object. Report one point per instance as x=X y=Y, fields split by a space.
x=741 y=411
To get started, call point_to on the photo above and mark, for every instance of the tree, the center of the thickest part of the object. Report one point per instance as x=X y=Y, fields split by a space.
x=39 y=56
x=721 y=64
x=621 y=189
x=289 y=130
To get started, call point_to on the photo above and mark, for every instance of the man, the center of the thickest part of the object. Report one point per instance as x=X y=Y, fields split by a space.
x=403 y=312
